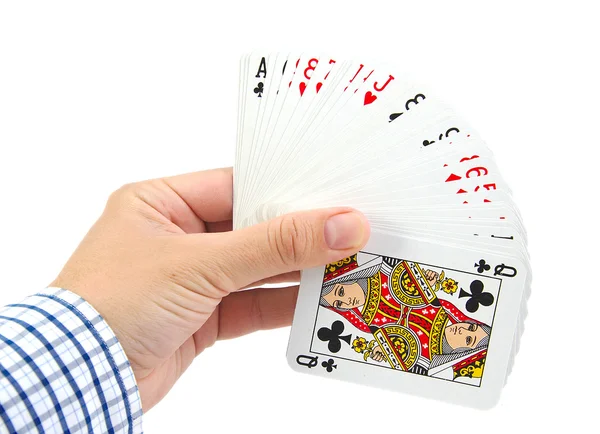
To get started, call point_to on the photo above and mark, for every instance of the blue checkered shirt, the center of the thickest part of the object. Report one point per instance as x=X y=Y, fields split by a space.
x=63 y=370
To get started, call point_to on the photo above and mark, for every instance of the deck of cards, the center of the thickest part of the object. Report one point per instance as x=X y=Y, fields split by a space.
x=435 y=303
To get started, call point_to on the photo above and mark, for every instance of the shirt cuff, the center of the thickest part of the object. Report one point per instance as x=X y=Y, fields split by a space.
x=63 y=369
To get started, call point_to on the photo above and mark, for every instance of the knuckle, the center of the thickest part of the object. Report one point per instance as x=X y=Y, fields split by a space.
x=125 y=194
x=138 y=194
x=128 y=189
x=291 y=238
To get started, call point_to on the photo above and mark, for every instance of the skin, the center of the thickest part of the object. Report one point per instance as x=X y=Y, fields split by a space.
x=377 y=354
x=431 y=276
x=164 y=269
x=464 y=335
x=346 y=296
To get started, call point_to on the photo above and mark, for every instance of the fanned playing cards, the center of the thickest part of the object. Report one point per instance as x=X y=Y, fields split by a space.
x=434 y=305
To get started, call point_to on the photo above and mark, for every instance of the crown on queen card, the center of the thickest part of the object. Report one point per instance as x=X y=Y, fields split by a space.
x=435 y=303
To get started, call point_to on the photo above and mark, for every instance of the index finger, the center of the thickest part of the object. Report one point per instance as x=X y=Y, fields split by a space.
x=209 y=193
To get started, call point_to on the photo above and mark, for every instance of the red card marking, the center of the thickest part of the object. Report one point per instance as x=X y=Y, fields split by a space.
x=302 y=88
x=369 y=98
x=453 y=177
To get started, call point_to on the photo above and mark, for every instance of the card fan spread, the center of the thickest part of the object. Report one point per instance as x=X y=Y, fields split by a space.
x=434 y=305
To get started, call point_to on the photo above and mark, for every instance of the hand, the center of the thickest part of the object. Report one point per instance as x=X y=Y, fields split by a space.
x=377 y=354
x=432 y=277
x=163 y=268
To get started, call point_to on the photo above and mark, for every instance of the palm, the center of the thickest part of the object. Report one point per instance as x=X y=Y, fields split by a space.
x=236 y=314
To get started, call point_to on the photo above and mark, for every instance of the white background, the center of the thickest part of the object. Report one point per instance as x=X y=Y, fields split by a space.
x=97 y=94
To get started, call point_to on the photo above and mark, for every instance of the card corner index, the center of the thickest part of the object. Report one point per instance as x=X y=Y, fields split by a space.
x=301 y=362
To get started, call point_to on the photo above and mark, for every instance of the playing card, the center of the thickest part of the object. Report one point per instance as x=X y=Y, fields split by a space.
x=411 y=316
x=435 y=304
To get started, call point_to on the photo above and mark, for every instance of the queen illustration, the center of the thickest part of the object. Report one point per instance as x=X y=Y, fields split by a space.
x=413 y=330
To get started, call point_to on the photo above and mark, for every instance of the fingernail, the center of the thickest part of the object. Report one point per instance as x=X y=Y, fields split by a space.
x=344 y=231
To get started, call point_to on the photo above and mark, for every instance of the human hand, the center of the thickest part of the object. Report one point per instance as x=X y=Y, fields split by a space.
x=432 y=277
x=377 y=354
x=163 y=268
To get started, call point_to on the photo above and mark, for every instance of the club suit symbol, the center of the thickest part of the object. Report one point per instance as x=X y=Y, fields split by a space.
x=333 y=335
x=477 y=296
x=259 y=89
x=329 y=365
x=482 y=266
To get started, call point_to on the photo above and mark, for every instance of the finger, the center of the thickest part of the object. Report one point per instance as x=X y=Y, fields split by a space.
x=291 y=277
x=208 y=194
x=223 y=226
x=257 y=309
x=288 y=243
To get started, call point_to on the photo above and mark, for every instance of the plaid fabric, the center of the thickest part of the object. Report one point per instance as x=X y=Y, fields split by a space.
x=63 y=370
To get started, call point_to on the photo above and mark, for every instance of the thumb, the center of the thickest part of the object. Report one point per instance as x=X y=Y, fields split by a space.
x=291 y=242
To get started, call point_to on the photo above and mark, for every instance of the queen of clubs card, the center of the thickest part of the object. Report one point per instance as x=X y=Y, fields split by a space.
x=413 y=330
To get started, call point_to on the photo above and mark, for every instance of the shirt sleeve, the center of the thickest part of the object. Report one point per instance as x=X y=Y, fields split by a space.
x=62 y=369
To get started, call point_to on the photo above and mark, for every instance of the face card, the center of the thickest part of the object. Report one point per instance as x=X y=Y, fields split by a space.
x=426 y=319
